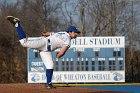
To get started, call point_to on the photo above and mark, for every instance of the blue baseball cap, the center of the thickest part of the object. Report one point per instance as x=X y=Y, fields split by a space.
x=73 y=29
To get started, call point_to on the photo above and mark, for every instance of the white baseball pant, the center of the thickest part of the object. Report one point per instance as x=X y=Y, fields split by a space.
x=40 y=43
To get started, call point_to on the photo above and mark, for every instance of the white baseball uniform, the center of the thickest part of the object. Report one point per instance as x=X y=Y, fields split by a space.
x=47 y=44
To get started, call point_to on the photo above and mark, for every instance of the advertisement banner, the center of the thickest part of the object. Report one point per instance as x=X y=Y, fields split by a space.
x=79 y=77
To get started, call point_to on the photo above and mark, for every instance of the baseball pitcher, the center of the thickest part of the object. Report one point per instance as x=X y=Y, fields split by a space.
x=46 y=43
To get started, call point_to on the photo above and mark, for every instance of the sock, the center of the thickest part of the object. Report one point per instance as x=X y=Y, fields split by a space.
x=49 y=74
x=20 y=32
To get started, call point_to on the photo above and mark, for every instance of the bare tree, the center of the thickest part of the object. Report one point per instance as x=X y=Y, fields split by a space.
x=45 y=12
x=69 y=12
x=82 y=16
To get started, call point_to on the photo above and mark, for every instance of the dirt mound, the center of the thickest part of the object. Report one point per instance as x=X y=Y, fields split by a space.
x=40 y=88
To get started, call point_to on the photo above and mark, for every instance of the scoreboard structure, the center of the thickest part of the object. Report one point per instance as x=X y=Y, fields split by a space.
x=90 y=59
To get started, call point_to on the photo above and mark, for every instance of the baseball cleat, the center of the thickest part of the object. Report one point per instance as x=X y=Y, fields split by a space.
x=13 y=19
x=50 y=86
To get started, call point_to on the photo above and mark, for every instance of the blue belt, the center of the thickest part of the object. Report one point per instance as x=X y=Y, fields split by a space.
x=49 y=45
